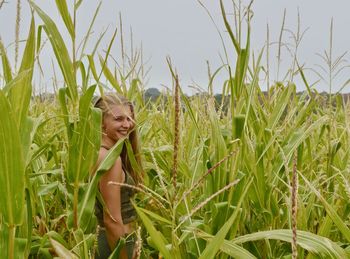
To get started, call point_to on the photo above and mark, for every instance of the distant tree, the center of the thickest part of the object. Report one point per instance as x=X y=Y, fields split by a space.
x=152 y=93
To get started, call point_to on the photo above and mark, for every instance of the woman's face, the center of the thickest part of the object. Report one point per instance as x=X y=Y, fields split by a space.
x=118 y=122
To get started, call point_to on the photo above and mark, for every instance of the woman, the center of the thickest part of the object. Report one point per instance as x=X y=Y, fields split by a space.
x=116 y=218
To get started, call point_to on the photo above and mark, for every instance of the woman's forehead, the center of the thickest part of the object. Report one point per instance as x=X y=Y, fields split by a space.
x=120 y=110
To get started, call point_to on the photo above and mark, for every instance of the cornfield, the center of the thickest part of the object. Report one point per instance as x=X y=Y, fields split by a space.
x=254 y=175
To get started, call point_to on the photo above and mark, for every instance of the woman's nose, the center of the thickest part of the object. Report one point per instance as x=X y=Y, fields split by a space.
x=126 y=123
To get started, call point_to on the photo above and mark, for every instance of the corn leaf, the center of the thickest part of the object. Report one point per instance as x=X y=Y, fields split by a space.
x=157 y=237
x=12 y=170
x=309 y=241
x=87 y=204
x=83 y=143
x=116 y=252
x=214 y=245
x=20 y=92
x=108 y=74
x=60 y=51
x=6 y=67
x=229 y=248
x=62 y=251
x=281 y=106
x=330 y=211
x=63 y=9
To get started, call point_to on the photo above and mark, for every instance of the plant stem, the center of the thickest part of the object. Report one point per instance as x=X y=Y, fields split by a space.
x=73 y=40
x=18 y=20
x=294 y=207
x=12 y=235
x=75 y=205
x=177 y=129
x=268 y=60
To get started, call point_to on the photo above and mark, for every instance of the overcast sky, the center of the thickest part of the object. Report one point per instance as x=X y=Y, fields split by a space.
x=183 y=30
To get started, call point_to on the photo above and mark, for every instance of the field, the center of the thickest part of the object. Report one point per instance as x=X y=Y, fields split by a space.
x=253 y=174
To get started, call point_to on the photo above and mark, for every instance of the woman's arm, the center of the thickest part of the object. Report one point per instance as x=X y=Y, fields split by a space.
x=111 y=195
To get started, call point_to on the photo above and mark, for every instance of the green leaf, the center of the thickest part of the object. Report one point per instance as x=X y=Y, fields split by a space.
x=60 y=51
x=298 y=136
x=29 y=52
x=92 y=67
x=309 y=241
x=214 y=245
x=83 y=144
x=134 y=93
x=38 y=38
x=228 y=28
x=28 y=130
x=236 y=251
x=239 y=121
x=88 y=33
x=12 y=168
x=157 y=237
x=64 y=108
x=281 y=106
x=131 y=156
x=190 y=111
x=117 y=249
x=156 y=216
x=19 y=79
x=29 y=222
x=330 y=211
x=84 y=78
x=253 y=86
x=108 y=74
x=63 y=9
x=61 y=251
x=47 y=188
x=6 y=67
x=77 y=4
x=87 y=204
x=229 y=247
x=20 y=92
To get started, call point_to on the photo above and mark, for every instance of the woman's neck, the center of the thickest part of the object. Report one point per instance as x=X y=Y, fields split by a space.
x=107 y=142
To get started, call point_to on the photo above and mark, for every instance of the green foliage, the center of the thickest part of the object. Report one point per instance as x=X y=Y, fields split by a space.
x=60 y=50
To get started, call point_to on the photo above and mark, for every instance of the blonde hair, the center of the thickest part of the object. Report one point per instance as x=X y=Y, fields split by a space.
x=104 y=103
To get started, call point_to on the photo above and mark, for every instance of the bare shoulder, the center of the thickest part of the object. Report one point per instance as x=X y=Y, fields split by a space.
x=117 y=166
x=115 y=173
x=101 y=155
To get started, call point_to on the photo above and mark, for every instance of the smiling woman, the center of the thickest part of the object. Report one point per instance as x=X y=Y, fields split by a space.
x=116 y=218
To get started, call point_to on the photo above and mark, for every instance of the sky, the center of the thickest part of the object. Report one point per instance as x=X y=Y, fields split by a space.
x=183 y=30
